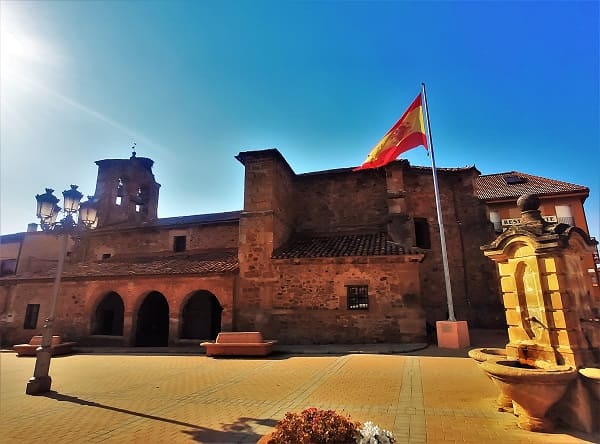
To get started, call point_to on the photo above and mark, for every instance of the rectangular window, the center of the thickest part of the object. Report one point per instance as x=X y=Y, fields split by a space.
x=179 y=243
x=31 y=316
x=564 y=215
x=106 y=256
x=422 y=238
x=8 y=266
x=358 y=297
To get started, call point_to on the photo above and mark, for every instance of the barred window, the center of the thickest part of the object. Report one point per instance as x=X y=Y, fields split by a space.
x=358 y=297
x=31 y=316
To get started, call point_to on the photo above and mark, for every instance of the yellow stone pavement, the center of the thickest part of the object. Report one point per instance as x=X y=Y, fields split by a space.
x=127 y=398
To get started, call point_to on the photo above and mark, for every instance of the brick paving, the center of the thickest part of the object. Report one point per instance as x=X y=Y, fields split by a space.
x=429 y=396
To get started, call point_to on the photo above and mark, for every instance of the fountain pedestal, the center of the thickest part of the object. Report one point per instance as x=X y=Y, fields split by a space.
x=552 y=321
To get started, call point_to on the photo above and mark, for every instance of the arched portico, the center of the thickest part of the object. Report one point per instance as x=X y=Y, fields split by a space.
x=152 y=326
x=201 y=316
x=107 y=318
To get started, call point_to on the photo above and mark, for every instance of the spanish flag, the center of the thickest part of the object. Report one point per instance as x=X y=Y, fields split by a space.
x=406 y=134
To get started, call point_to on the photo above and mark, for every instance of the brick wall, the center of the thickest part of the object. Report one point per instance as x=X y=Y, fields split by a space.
x=79 y=298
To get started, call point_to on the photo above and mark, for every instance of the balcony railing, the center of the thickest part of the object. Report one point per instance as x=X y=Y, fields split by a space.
x=566 y=220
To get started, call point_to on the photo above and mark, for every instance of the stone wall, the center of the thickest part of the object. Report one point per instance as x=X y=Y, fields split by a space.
x=265 y=223
x=309 y=302
x=474 y=288
x=144 y=241
x=340 y=201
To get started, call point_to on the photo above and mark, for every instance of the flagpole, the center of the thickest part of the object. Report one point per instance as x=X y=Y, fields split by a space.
x=439 y=213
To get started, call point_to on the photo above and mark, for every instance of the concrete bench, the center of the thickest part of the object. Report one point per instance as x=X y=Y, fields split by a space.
x=57 y=346
x=239 y=343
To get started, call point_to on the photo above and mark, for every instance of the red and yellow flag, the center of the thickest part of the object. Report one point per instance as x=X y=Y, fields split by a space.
x=406 y=134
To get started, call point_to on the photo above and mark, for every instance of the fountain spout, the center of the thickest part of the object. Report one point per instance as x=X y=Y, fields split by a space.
x=536 y=321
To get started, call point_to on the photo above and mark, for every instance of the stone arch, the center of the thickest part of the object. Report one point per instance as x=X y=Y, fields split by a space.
x=201 y=316
x=107 y=318
x=152 y=326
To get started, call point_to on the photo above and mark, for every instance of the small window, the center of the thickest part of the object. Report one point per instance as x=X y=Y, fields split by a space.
x=106 y=256
x=358 y=297
x=513 y=179
x=8 y=266
x=31 y=316
x=422 y=237
x=120 y=192
x=179 y=243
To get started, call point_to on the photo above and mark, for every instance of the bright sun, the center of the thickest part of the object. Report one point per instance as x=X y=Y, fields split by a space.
x=20 y=50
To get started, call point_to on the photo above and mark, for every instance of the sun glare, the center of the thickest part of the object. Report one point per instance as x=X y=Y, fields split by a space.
x=21 y=51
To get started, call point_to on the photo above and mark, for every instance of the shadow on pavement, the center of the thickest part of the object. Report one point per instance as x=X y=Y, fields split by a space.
x=478 y=338
x=240 y=430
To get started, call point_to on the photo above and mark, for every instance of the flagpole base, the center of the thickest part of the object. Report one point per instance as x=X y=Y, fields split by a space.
x=452 y=334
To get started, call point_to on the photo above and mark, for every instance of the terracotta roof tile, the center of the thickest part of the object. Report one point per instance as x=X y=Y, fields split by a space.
x=203 y=263
x=200 y=263
x=495 y=186
x=377 y=244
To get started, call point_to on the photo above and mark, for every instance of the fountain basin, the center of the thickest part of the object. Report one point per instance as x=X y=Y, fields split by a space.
x=533 y=390
x=591 y=380
x=480 y=355
x=483 y=354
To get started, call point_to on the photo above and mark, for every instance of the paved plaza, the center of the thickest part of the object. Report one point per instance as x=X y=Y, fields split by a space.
x=427 y=396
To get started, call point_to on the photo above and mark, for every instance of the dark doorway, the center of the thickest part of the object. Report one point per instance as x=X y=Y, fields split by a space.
x=153 y=322
x=201 y=316
x=108 y=317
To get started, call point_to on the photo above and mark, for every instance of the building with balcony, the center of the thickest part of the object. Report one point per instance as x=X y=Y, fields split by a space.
x=561 y=202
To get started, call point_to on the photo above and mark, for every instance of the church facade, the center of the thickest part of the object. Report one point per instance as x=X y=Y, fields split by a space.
x=334 y=256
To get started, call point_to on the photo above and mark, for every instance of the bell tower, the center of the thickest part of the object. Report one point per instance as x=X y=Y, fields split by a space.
x=126 y=191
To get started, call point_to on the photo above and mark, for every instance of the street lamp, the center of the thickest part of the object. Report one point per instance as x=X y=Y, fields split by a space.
x=47 y=212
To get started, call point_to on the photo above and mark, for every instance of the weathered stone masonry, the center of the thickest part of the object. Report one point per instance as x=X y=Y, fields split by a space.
x=283 y=265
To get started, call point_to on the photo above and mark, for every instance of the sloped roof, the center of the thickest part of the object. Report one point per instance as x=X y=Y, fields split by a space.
x=199 y=263
x=376 y=244
x=229 y=216
x=202 y=263
x=11 y=238
x=495 y=186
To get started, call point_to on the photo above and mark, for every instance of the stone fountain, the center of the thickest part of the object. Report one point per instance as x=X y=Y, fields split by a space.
x=550 y=368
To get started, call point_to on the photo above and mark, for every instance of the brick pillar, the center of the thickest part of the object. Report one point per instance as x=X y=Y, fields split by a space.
x=128 y=329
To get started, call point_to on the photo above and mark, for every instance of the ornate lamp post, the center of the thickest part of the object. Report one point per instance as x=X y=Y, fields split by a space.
x=47 y=212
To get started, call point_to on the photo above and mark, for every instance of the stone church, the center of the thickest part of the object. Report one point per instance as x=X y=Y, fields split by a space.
x=332 y=256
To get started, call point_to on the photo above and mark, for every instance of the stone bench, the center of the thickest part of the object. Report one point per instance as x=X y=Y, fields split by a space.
x=239 y=343
x=57 y=346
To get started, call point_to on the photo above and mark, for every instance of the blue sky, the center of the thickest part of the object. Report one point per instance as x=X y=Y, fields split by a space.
x=511 y=86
